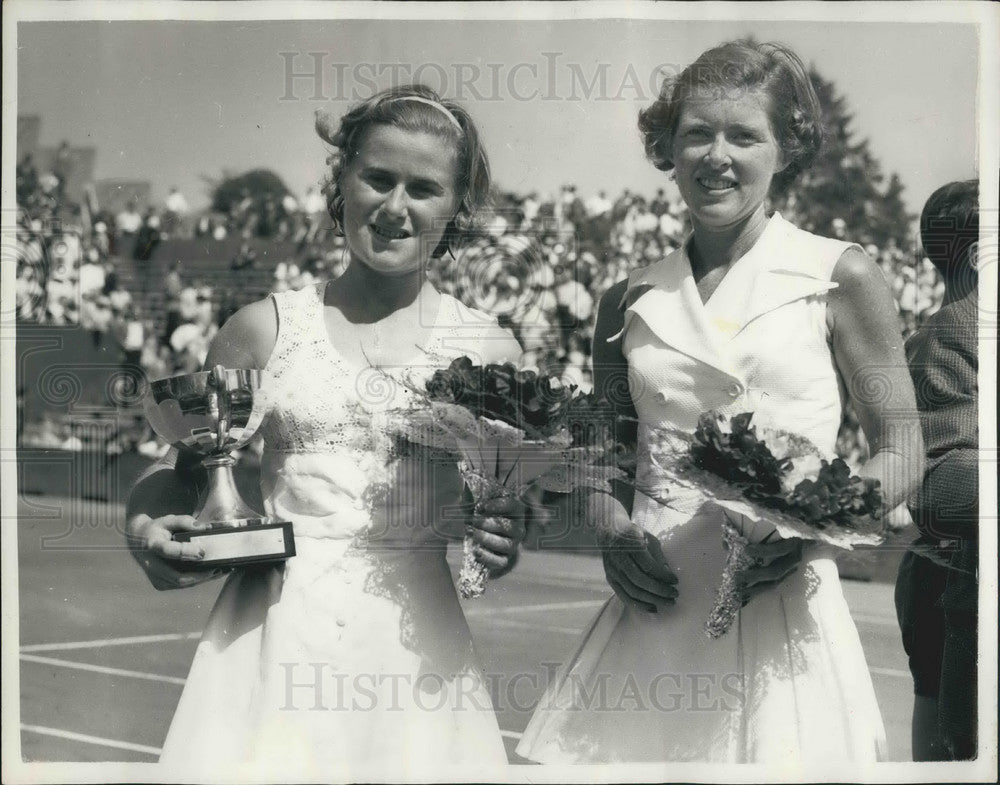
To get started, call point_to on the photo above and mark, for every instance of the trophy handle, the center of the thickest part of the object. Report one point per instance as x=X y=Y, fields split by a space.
x=222 y=405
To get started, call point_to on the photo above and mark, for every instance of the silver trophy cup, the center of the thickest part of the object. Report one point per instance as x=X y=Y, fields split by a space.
x=211 y=414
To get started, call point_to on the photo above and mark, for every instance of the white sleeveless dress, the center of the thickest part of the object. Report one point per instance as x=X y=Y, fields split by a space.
x=354 y=659
x=788 y=685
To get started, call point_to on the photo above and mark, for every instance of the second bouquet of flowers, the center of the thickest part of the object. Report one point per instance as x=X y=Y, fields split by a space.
x=510 y=429
x=774 y=477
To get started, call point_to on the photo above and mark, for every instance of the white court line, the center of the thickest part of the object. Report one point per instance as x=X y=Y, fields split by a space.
x=890 y=672
x=549 y=606
x=86 y=666
x=66 y=646
x=127 y=745
x=514 y=624
x=881 y=621
x=82 y=737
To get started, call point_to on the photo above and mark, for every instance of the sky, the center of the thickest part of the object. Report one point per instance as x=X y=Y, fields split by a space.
x=556 y=100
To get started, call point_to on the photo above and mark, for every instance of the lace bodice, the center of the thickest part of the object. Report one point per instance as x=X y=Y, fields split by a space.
x=318 y=401
x=312 y=392
x=329 y=450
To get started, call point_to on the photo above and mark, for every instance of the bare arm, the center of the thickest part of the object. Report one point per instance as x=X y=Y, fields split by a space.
x=868 y=350
x=247 y=339
x=165 y=495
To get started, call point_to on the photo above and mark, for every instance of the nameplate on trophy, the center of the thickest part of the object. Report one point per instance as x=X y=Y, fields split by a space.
x=257 y=544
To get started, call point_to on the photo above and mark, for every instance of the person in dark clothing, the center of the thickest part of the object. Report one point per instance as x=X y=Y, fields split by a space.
x=659 y=205
x=245 y=258
x=27 y=180
x=147 y=239
x=937 y=589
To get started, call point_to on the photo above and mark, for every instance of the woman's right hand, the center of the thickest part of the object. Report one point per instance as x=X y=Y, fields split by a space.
x=151 y=542
x=636 y=568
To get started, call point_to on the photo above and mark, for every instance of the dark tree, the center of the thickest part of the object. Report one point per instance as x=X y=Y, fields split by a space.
x=259 y=184
x=845 y=182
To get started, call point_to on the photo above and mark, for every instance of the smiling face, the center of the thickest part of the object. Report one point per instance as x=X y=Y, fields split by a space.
x=725 y=155
x=399 y=194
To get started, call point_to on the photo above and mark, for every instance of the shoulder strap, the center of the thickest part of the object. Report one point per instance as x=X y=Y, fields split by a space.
x=458 y=325
x=298 y=314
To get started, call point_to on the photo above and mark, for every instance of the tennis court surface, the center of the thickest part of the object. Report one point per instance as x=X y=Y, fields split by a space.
x=104 y=656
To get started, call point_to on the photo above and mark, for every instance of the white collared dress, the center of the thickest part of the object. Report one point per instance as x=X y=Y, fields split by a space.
x=353 y=661
x=788 y=684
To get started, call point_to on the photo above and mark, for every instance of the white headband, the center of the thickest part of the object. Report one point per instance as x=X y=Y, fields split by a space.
x=440 y=107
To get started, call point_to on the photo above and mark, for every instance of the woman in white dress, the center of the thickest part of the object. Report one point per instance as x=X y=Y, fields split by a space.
x=751 y=314
x=354 y=659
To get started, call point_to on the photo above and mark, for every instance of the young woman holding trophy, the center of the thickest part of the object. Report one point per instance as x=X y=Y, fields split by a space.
x=354 y=651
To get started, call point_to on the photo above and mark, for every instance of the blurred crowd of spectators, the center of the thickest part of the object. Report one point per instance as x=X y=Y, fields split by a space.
x=543 y=265
x=67 y=271
x=540 y=266
x=304 y=222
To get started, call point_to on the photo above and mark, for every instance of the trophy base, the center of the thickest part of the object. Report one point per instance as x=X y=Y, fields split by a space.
x=262 y=542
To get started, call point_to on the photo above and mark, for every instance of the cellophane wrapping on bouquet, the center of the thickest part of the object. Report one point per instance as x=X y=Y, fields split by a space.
x=770 y=483
x=510 y=429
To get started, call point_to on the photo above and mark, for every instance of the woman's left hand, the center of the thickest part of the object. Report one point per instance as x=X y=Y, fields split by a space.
x=497 y=529
x=776 y=561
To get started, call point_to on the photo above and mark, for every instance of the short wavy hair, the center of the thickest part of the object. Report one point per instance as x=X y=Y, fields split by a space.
x=385 y=109
x=743 y=65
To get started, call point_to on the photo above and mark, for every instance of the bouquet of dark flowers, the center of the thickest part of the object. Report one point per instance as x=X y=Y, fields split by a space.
x=511 y=429
x=773 y=478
